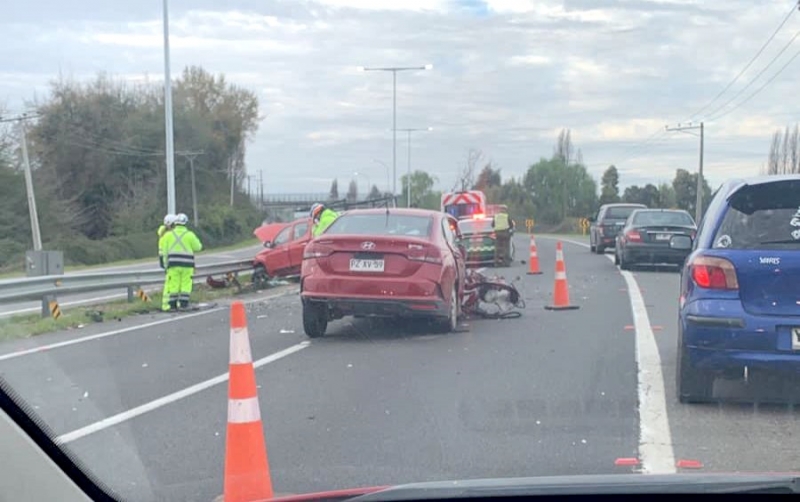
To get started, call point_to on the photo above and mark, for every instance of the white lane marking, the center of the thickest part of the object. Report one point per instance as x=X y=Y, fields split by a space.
x=115 y=332
x=243 y=411
x=65 y=304
x=656 y=453
x=168 y=399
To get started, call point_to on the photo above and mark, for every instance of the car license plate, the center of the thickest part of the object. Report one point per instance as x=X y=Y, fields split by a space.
x=358 y=265
x=795 y=338
x=663 y=237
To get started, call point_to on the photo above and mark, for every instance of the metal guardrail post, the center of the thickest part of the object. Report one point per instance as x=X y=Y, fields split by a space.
x=46 y=305
x=130 y=294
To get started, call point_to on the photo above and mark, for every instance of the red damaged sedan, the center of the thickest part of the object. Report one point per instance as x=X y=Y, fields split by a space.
x=383 y=262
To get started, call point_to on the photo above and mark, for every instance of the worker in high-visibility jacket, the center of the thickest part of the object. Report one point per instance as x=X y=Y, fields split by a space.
x=502 y=239
x=321 y=217
x=169 y=222
x=179 y=246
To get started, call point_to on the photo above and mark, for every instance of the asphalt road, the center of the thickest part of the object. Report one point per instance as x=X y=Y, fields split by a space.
x=378 y=403
x=210 y=258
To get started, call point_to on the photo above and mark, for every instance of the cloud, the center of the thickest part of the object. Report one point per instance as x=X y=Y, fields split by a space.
x=507 y=75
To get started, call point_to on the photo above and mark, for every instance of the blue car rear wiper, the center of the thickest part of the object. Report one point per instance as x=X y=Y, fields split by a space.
x=784 y=241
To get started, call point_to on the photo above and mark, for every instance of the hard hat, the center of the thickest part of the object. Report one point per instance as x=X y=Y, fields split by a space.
x=169 y=219
x=316 y=209
x=181 y=219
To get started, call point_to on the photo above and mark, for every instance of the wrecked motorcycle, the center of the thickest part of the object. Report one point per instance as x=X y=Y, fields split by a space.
x=490 y=297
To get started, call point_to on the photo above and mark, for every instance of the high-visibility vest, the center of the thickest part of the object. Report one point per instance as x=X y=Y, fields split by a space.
x=501 y=221
x=179 y=246
x=327 y=217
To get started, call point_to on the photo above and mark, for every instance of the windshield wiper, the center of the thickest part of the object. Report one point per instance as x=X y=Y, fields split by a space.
x=784 y=241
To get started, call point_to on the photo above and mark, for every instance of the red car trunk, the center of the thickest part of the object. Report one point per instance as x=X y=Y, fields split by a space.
x=373 y=256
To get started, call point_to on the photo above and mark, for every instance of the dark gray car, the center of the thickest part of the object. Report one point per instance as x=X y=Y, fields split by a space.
x=646 y=237
x=606 y=225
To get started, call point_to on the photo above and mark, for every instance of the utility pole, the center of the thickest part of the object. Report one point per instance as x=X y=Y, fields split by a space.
x=190 y=156
x=261 y=189
x=36 y=233
x=168 y=117
x=698 y=210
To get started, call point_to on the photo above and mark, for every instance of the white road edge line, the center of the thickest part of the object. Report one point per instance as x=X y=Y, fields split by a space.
x=656 y=453
x=168 y=399
x=115 y=332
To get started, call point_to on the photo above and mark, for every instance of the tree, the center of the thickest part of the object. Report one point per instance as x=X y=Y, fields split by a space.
x=334 y=193
x=375 y=193
x=352 y=191
x=685 y=187
x=784 y=152
x=559 y=191
x=647 y=195
x=487 y=178
x=609 y=191
x=666 y=196
x=466 y=178
x=564 y=149
x=421 y=190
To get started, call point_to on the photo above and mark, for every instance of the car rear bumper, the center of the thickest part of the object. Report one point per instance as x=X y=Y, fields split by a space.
x=381 y=307
x=652 y=253
x=607 y=242
x=720 y=336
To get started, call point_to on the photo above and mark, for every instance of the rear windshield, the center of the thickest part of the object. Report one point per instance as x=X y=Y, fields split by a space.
x=381 y=224
x=667 y=218
x=462 y=210
x=762 y=217
x=474 y=226
x=621 y=213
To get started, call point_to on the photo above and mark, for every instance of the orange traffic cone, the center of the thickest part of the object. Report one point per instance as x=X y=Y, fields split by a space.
x=560 y=289
x=247 y=475
x=533 y=268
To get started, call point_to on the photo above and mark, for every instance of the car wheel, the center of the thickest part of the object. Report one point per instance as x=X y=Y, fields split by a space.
x=450 y=324
x=315 y=319
x=623 y=263
x=616 y=257
x=592 y=248
x=260 y=277
x=692 y=385
x=600 y=249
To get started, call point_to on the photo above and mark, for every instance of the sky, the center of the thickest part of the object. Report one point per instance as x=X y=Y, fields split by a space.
x=506 y=77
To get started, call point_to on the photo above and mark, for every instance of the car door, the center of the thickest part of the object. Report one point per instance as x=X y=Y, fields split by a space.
x=452 y=239
x=301 y=234
x=593 y=237
x=277 y=261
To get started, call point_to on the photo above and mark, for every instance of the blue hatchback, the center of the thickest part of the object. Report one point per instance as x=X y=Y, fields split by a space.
x=740 y=286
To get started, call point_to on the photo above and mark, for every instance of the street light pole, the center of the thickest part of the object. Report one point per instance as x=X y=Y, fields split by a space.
x=408 y=175
x=394 y=70
x=698 y=210
x=168 y=118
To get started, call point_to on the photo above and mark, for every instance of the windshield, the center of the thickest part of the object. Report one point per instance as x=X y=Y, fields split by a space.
x=254 y=248
x=620 y=212
x=656 y=218
x=381 y=224
x=762 y=217
x=475 y=226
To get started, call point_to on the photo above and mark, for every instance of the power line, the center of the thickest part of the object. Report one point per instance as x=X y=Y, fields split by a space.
x=741 y=91
x=751 y=96
x=752 y=60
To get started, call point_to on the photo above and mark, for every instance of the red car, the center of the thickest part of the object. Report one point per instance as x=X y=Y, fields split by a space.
x=387 y=263
x=284 y=243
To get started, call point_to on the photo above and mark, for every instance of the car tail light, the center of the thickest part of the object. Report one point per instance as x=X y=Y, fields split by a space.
x=428 y=255
x=633 y=235
x=315 y=251
x=714 y=273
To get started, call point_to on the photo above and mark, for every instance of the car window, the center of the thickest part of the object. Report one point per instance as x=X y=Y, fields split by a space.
x=282 y=237
x=300 y=230
x=474 y=226
x=762 y=217
x=662 y=218
x=620 y=212
x=382 y=224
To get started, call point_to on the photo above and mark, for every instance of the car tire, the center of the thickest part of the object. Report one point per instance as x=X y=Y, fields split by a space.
x=616 y=257
x=315 y=319
x=260 y=277
x=623 y=263
x=600 y=249
x=450 y=324
x=692 y=385
x=592 y=247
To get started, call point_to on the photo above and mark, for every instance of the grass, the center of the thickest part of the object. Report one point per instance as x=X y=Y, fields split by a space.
x=24 y=326
x=139 y=261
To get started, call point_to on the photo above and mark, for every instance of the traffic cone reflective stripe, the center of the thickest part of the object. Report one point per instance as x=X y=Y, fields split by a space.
x=560 y=288
x=533 y=268
x=247 y=475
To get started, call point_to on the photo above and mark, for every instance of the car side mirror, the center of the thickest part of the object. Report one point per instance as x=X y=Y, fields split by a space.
x=268 y=244
x=682 y=242
x=591 y=219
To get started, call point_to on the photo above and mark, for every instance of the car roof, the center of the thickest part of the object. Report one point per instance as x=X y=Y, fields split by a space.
x=660 y=210
x=400 y=211
x=624 y=204
x=736 y=184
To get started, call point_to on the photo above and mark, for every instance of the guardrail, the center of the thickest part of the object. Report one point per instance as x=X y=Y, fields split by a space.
x=48 y=287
